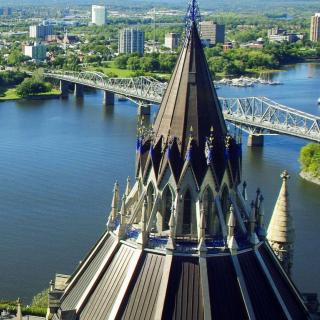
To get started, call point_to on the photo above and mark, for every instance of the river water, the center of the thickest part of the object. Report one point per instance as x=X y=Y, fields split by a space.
x=60 y=158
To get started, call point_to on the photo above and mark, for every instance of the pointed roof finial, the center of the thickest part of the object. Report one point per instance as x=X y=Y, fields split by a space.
x=281 y=227
x=115 y=200
x=128 y=187
x=193 y=14
x=202 y=236
x=172 y=229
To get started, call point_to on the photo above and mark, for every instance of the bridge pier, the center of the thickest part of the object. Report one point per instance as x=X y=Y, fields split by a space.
x=64 y=89
x=144 y=109
x=255 y=141
x=108 y=98
x=78 y=90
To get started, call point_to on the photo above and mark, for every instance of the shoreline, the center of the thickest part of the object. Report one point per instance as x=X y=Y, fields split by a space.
x=309 y=177
x=40 y=97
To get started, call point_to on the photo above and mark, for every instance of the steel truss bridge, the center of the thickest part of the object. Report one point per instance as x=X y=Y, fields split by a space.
x=255 y=115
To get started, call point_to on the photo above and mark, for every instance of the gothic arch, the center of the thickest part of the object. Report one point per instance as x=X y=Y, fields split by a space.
x=225 y=202
x=150 y=198
x=208 y=208
x=167 y=200
x=187 y=213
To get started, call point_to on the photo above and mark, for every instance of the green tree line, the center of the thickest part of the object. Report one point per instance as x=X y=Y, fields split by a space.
x=310 y=159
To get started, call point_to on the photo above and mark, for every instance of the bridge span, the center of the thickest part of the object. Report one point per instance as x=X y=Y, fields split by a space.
x=259 y=116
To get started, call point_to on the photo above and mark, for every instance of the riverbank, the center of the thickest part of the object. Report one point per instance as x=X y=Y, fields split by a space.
x=11 y=94
x=309 y=177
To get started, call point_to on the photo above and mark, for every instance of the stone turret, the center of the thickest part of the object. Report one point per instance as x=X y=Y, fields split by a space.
x=281 y=230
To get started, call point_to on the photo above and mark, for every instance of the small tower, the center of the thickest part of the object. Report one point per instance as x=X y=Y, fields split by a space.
x=19 y=312
x=281 y=230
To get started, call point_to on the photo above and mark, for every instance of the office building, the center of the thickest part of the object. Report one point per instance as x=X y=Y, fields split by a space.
x=36 y=51
x=171 y=40
x=212 y=33
x=131 y=40
x=40 y=31
x=98 y=15
x=315 y=28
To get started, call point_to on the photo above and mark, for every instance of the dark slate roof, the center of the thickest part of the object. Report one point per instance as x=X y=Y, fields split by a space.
x=190 y=112
x=223 y=275
x=264 y=302
x=140 y=299
x=231 y=292
x=287 y=290
x=184 y=300
x=84 y=278
x=101 y=301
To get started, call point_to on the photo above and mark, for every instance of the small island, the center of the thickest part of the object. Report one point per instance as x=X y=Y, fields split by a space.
x=17 y=85
x=310 y=162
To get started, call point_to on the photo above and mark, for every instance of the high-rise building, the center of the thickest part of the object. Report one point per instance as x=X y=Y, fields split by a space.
x=315 y=28
x=212 y=32
x=6 y=11
x=184 y=244
x=40 y=31
x=171 y=40
x=98 y=15
x=131 y=40
x=37 y=51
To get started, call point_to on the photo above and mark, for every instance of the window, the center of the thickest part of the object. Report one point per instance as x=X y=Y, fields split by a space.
x=150 y=196
x=207 y=208
x=187 y=211
x=167 y=204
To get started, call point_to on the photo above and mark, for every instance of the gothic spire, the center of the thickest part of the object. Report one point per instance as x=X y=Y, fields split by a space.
x=281 y=230
x=191 y=101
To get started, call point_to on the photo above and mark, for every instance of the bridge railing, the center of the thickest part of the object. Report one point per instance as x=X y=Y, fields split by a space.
x=265 y=114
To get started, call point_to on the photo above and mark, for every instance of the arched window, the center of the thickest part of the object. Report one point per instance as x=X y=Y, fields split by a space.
x=225 y=203
x=167 y=205
x=187 y=212
x=207 y=203
x=150 y=196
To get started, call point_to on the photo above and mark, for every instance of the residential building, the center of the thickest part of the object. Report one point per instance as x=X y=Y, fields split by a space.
x=98 y=15
x=171 y=40
x=40 y=31
x=281 y=35
x=36 y=51
x=212 y=32
x=184 y=243
x=131 y=40
x=315 y=28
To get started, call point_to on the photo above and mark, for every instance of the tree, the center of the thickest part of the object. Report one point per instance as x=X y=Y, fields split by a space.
x=16 y=57
x=121 y=61
x=133 y=63
x=310 y=159
x=32 y=86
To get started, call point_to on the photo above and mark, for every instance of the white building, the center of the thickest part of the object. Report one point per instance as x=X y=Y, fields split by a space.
x=40 y=31
x=171 y=40
x=36 y=52
x=131 y=40
x=98 y=15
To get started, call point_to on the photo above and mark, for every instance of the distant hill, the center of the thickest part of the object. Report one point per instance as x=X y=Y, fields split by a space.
x=204 y=4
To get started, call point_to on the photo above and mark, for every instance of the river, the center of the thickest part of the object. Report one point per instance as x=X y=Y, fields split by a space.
x=60 y=158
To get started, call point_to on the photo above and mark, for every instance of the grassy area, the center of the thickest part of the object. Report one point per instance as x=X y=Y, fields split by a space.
x=11 y=94
x=112 y=71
